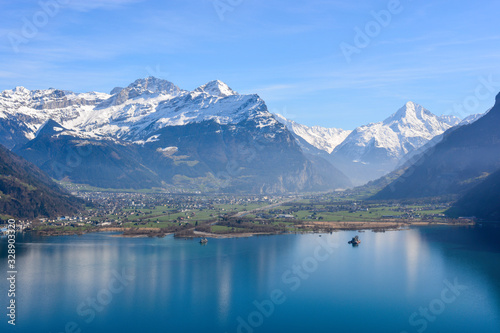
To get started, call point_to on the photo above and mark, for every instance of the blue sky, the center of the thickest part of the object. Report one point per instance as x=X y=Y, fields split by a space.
x=437 y=54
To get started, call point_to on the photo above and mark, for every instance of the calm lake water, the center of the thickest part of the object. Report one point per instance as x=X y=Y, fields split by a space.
x=432 y=279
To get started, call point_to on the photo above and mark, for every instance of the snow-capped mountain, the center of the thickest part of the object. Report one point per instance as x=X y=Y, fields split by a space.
x=23 y=112
x=216 y=88
x=154 y=134
x=155 y=116
x=407 y=129
x=375 y=149
x=137 y=117
x=322 y=138
x=458 y=163
x=450 y=120
x=133 y=112
x=472 y=118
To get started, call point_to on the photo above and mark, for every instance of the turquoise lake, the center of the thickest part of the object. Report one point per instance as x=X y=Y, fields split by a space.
x=425 y=279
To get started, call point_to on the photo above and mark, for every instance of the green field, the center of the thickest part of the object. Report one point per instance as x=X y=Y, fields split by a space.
x=166 y=217
x=374 y=212
x=161 y=217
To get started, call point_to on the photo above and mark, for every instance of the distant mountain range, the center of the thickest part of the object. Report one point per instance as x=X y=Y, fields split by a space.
x=373 y=150
x=464 y=157
x=154 y=134
x=315 y=137
x=27 y=192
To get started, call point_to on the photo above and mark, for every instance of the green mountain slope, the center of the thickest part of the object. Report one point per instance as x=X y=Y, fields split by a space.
x=27 y=192
x=482 y=201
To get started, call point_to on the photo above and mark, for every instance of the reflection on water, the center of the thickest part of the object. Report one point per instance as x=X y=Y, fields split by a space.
x=180 y=286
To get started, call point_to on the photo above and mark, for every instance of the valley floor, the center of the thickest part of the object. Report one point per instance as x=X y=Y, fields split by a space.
x=196 y=216
x=217 y=231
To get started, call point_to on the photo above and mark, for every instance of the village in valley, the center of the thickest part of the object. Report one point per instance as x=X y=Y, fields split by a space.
x=157 y=214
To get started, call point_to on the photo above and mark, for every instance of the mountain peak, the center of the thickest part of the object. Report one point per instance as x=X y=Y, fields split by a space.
x=411 y=104
x=140 y=87
x=116 y=90
x=154 y=85
x=49 y=127
x=409 y=110
x=216 y=88
x=412 y=110
x=20 y=90
x=413 y=107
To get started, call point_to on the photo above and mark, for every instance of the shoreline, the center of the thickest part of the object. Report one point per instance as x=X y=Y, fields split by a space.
x=308 y=227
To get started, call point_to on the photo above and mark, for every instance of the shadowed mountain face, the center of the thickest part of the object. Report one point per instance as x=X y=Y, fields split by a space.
x=199 y=156
x=102 y=163
x=238 y=158
x=482 y=201
x=12 y=132
x=460 y=161
x=27 y=192
x=154 y=134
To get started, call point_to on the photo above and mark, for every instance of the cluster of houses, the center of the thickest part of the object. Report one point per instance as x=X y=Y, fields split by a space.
x=20 y=226
x=74 y=220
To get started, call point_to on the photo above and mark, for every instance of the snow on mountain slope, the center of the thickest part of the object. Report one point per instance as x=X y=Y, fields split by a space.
x=137 y=112
x=146 y=105
x=374 y=150
x=455 y=165
x=450 y=120
x=216 y=88
x=407 y=129
x=472 y=118
x=34 y=108
x=323 y=138
x=138 y=118
x=154 y=134
x=142 y=89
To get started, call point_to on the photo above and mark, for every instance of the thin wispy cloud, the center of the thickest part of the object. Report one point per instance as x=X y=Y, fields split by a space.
x=88 y=5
